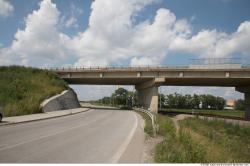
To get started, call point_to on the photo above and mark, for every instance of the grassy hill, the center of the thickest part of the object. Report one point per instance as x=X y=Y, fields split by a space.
x=22 y=89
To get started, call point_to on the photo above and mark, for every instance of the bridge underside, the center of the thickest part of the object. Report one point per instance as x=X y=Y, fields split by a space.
x=224 y=82
x=147 y=80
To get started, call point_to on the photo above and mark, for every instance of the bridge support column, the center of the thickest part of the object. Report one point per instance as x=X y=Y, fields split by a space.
x=148 y=94
x=246 y=91
x=148 y=98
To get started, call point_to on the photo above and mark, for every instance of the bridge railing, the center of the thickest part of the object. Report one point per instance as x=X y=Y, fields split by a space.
x=246 y=66
x=141 y=67
x=115 y=68
x=213 y=61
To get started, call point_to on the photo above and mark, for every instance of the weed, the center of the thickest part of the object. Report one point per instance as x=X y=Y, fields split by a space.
x=232 y=139
x=177 y=147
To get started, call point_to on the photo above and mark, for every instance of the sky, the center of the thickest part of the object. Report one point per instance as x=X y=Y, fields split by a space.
x=56 y=33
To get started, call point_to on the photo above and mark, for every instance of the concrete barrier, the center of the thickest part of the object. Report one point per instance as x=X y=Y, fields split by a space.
x=66 y=100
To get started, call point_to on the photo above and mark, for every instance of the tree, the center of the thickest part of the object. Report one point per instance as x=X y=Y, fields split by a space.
x=105 y=100
x=131 y=99
x=220 y=103
x=181 y=100
x=161 y=101
x=120 y=96
x=195 y=102
x=211 y=101
x=127 y=98
x=239 y=105
x=171 y=101
x=188 y=100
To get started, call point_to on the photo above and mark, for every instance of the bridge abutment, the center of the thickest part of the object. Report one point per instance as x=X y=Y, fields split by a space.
x=148 y=94
x=246 y=91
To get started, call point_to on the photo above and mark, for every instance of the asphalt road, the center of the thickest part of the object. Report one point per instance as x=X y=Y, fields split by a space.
x=95 y=136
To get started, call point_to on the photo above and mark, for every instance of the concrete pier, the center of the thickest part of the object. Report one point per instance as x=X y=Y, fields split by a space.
x=246 y=91
x=148 y=98
x=148 y=93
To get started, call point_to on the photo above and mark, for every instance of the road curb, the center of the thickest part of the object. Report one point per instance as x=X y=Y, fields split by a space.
x=14 y=123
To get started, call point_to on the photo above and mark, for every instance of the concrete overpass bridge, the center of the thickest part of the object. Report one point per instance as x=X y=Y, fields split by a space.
x=147 y=79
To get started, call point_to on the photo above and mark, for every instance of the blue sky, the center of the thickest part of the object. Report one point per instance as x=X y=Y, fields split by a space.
x=225 y=16
x=58 y=33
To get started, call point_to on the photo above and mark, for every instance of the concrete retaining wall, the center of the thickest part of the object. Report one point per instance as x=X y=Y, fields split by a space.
x=66 y=100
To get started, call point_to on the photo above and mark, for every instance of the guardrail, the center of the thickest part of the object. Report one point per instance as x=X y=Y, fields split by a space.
x=152 y=117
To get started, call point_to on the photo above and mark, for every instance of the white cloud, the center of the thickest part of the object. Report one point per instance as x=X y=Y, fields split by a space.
x=69 y=19
x=108 y=38
x=211 y=43
x=6 y=9
x=40 y=43
x=193 y=18
x=143 y=61
x=71 y=22
x=113 y=36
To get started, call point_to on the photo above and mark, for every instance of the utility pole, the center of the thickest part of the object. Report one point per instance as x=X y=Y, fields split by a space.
x=133 y=98
x=110 y=100
x=160 y=96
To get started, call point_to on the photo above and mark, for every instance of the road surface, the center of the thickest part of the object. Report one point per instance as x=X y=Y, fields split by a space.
x=95 y=136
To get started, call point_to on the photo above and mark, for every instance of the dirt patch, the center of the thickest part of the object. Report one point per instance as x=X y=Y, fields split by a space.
x=184 y=116
x=233 y=121
x=178 y=118
x=149 y=148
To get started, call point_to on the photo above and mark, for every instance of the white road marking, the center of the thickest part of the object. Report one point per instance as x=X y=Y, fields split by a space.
x=115 y=158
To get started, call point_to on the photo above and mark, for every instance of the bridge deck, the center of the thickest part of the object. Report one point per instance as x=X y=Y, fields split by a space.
x=179 y=76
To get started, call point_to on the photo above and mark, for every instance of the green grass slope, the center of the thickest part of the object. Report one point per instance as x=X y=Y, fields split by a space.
x=22 y=89
x=202 y=141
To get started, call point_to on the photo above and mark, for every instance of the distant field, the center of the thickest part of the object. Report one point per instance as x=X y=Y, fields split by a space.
x=23 y=89
x=229 y=113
